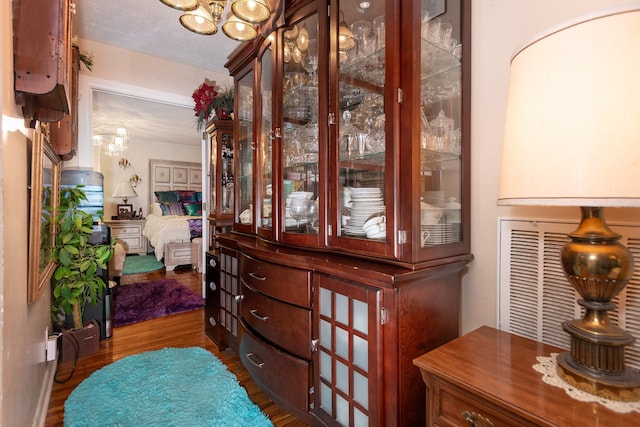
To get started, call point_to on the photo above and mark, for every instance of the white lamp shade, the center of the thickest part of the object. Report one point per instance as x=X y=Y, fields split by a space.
x=124 y=190
x=572 y=132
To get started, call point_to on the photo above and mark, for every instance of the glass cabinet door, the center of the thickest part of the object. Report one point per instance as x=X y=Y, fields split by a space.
x=301 y=144
x=361 y=197
x=244 y=159
x=221 y=172
x=265 y=161
x=440 y=125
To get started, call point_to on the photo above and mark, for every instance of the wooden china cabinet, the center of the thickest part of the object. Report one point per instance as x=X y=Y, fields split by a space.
x=351 y=209
x=221 y=175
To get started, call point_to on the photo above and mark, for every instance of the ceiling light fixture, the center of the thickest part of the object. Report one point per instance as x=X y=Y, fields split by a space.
x=345 y=36
x=113 y=145
x=237 y=29
x=253 y=11
x=181 y=4
x=204 y=16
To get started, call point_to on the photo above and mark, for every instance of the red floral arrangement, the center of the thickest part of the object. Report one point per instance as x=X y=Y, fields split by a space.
x=208 y=99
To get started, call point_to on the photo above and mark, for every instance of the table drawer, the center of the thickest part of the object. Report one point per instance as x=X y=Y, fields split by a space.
x=278 y=322
x=126 y=230
x=283 y=377
x=454 y=406
x=288 y=284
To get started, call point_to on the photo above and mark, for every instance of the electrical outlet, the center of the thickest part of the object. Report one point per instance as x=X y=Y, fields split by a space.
x=51 y=346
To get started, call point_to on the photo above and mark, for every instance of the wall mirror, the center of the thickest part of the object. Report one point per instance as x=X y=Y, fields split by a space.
x=44 y=197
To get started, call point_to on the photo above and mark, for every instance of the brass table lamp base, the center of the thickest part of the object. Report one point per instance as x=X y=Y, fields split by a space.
x=599 y=268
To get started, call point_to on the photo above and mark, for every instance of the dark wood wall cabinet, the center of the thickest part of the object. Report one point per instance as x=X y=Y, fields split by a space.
x=350 y=220
x=486 y=378
x=43 y=58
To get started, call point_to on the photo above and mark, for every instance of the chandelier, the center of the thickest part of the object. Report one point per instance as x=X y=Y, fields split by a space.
x=204 y=16
x=114 y=144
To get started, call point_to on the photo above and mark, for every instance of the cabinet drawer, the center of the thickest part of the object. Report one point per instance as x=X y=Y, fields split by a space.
x=278 y=322
x=288 y=284
x=131 y=243
x=285 y=378
x=451 y=404
x=127 y=230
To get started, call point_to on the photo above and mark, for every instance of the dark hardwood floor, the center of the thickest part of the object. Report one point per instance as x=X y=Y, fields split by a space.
x=178 y=330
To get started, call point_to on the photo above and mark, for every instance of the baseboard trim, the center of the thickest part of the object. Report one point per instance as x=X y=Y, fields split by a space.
x=45 y=394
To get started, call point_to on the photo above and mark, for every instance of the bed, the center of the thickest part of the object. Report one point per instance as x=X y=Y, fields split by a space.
x=175 y=217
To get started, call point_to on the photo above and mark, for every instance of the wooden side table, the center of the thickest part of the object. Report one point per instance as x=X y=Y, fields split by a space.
x=486 y=378
x=129 y=234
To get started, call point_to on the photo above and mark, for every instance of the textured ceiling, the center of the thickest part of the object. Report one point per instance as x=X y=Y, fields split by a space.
x=150 y=27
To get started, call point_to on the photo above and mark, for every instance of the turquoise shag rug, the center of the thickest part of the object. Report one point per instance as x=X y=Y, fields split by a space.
x=136 y=264
x=186 y=387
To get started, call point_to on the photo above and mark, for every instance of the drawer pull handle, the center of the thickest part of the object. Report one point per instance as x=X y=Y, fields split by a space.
x=251 y=357
x=476 y=420
x=257 y=277
x=212 y=286
x=258 y=315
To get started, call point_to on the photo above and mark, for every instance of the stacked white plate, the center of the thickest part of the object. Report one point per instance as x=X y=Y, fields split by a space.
x=437 y=234
x=365 y=203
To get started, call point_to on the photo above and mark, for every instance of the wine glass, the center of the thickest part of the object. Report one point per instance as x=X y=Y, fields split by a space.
x=298 y=210
x=310 y=63
x=312 y=213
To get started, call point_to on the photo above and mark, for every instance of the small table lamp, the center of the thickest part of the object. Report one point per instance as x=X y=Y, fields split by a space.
x=572 y=138
x=124 y=190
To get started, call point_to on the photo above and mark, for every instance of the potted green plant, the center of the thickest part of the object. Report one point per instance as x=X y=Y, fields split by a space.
x=75 y=282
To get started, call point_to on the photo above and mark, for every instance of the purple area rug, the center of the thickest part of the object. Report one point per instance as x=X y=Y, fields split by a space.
x=148 y=300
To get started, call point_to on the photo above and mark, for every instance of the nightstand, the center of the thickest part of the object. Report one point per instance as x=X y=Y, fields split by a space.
x=128 y=233
x=486 y=378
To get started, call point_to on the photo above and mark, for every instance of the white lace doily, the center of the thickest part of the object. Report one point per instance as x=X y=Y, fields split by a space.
x=548 y=367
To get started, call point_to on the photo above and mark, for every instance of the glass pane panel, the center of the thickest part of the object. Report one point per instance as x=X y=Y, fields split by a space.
x=360 y=352
x=440 y=136
x=342 y=309
x=342 y=377
x=361 y=389
x=325 y=334
x=359 y=419
x=227 y=174
x=325 y=398
x=266 y=137
x=360 y=316
x=325 y=302
x=342 y=343
x=342 y=411
x=325 y=366
x=361 y=121
x=245 y=149
x=300 y=144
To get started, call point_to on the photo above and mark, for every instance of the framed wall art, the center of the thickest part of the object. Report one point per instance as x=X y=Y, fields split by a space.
x=44 y=198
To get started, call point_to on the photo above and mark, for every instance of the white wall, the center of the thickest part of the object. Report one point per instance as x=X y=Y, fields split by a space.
x=22 y=327
x=499 y=27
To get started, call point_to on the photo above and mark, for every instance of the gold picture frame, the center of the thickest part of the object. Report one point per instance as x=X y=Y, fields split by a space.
x=44 y=199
